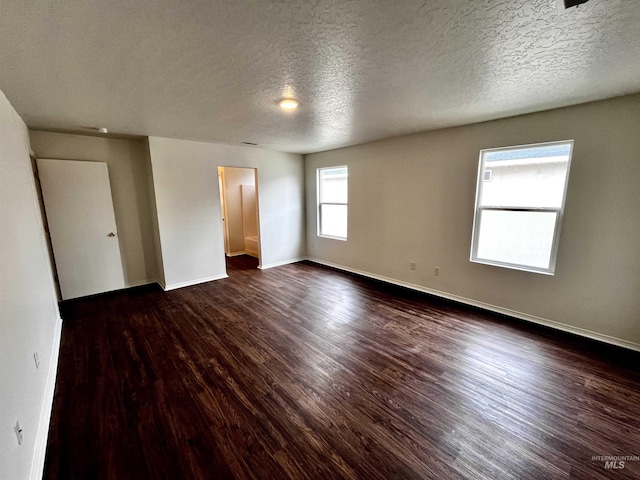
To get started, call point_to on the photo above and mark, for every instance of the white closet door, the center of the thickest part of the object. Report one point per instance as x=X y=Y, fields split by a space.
x=82 y=225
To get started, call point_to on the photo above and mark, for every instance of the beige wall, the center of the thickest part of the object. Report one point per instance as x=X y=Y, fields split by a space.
x=249 y=210
x=411 y=199
x=130 y=177
x=187 y=196
x=233 y=178
x=155 y=229
x=29 y=318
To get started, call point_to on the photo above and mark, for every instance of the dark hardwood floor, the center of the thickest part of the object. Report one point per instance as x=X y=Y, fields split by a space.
x=305 y=372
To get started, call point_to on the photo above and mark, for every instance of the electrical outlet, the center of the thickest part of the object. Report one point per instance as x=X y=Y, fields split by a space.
x=18 y=430
x=412 y=265
x=36 y=359
x=436 y=270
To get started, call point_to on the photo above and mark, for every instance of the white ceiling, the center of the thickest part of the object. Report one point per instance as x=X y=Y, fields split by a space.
x=213 y=70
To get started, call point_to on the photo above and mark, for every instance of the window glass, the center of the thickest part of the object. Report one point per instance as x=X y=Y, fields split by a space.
x=530 y=177
x=519 y=205
x=333 y=194
x=334 y=220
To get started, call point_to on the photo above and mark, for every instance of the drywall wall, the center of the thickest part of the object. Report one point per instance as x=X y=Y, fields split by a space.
x=129 y=174
x=233 y=179
x=155 y=229
x=249 y=210
x=188 y=204
x=29 y=318
x=411 y=199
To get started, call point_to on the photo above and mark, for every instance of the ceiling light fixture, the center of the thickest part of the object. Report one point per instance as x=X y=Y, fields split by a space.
x=288 y=104
x=103 y=130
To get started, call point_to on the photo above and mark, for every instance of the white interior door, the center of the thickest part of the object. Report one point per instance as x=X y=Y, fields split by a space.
x=82 y=225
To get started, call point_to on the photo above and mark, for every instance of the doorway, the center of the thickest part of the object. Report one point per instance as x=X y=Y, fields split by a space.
x=240 y=216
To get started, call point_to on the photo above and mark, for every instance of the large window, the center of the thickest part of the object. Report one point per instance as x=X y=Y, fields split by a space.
x=519 y=206
x=332 y=202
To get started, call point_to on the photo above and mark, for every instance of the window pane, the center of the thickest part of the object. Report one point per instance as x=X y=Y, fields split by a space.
x=333 y=220
x=333 y=185
x=525 y=177
x=520 y=238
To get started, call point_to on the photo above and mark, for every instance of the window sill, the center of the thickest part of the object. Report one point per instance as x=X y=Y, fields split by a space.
x=344 y=239
x=510 y=266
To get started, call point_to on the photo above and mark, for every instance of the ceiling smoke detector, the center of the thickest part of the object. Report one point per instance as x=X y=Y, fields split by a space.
x=570 y=3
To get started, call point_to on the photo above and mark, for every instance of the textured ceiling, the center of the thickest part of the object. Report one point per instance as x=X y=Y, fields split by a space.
x=213 y=70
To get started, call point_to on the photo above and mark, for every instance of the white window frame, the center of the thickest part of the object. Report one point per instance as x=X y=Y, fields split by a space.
x=560 y=211
x=320 y=203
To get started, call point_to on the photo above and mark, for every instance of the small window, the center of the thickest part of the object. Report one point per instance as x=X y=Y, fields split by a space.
x=332 y=202
x=519 y=207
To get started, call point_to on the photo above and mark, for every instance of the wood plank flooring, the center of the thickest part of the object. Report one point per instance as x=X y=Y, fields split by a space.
x=305 y=372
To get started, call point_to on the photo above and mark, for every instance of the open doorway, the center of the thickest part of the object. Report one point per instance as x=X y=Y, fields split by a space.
x=240 y=217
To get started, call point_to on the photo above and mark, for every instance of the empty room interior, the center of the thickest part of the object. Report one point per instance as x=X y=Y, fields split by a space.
x=273 y=239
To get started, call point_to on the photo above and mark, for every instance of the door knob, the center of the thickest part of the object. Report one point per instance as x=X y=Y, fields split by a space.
x=111 y=234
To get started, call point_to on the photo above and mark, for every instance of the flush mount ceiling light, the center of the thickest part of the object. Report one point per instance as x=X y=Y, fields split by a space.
x=103 y=130
x=288 y=104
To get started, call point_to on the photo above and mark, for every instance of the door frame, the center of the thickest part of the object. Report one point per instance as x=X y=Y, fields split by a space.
x=223 y=205
x=223 y=208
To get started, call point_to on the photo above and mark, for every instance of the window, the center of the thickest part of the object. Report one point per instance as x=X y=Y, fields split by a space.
x=519 y=210
x=332 y=202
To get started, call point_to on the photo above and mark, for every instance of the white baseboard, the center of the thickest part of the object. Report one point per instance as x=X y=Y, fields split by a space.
x=40 y=450
x=236 y=254
x=284 y=262
x=487 y=306
x=173 y=286
x=139 y=283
